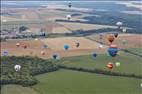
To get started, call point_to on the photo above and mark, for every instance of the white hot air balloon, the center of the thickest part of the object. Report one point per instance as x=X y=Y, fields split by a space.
x=17 y=67
x=119 y=24
x=100 y=46
x=68 y=17
x=117 y=64
x=141 y=85
x=124 y=30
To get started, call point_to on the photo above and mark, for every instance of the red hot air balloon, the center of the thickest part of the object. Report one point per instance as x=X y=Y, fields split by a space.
x=110 y=65
x=24 y=46
x=111 y=38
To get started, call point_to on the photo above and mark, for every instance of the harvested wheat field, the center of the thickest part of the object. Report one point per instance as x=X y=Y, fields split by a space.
x=82 y=26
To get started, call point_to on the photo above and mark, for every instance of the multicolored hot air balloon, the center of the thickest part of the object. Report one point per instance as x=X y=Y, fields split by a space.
x=111 y=38
x=110 y=65
x=112 y=50
x=66 y=46
x=5 y=53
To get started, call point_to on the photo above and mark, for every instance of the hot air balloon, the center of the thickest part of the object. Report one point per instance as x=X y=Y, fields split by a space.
x=101 y=36
x=42 y=33
x=69 y=5
x=110 y=65
x=116 y=35
x=124 y=42
x=117 y=64
x=4 y=62
x=100 y=46
x=24 y=46
x=31 y=52
x=17 y=67
x=18 y=44
x=94 y=55
x=36 y=39
x=56 y=56
x=68 y=17
x=5 y=53
x=42 y=53
x=111 y=38
x=45 y=46
x=141 y=84
x=124 y=30
x=112 y=50
x=77 y=44
x=66 y=46
x=119 y=24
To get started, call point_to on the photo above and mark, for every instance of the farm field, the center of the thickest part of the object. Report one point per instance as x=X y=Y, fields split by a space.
x=72 y=82
x=71 y=47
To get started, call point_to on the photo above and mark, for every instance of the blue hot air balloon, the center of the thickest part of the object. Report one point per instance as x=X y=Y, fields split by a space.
x=56 y=56
x=66 y=46
x=4 y=62
x=112 y=50
x=5 y=53
x=94 y=55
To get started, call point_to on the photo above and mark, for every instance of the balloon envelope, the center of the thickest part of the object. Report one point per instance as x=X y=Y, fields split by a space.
x=77 y=44
x=117 y=64
x=119 y=23
x=111 y=38
x=5 y=53
x=68 y=17
x=116 y=35
x=124 y=42
x=45 y=46
x=112 y=50
x=17 y=44
x=110 y=65
x=17 y=67
x=69 y=5
x=94 y=55
x=66 y=46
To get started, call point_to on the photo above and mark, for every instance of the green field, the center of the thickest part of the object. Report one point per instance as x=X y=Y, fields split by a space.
x=74 y=82
x=129 y=63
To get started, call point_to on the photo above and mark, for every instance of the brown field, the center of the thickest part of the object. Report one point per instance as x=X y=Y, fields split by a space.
x=77 y=26
x=132 y=40
x=55 y=45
